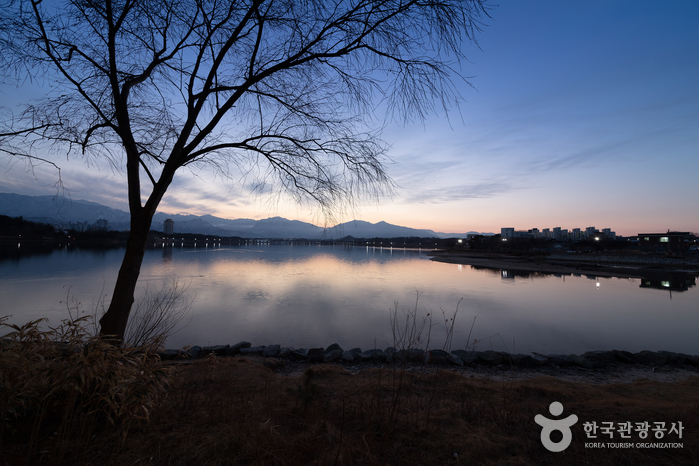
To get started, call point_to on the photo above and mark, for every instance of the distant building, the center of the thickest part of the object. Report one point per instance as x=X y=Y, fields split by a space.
x=101 y=224
x=169 y=227
x=672 y=241
x=590 y=232
x=511 y=233
x=558 y=233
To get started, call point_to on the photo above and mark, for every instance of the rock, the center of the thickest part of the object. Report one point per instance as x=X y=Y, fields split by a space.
x=582 y=362
x=692 y=359
x=674 y=359
x=235 y=349
x=347 y=356
x=356 y=351
x=271 y=351
x=315 y=354
x=599 y=359
x=560 y=360
x=470 y=359
x=625 y=357
x=651 y=358
x=300 y=354
x=436 y=357
x=524 y=360
x=455 y=360
x=284 y=352
x=467 y=357
x=195 y=352
x=489 y=357
x=331 y=356
x=375 y=355
x=333 y=347
x=218 y=350
x=508 y=358
x=400 y=355
x=169 y=354
x=416 y=354
x=254 y=351
x=529 y=360
x=540 y=359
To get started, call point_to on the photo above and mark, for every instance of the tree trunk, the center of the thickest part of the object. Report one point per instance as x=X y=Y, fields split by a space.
x=113 y=322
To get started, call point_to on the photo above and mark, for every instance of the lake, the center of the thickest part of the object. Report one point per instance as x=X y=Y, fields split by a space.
x=310 y=296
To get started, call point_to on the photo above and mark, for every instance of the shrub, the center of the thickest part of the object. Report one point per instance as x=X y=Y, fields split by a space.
x=64 y=384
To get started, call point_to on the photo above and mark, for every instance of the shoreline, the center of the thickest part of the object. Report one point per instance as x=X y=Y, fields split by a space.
x=596 y=367
x=585 y=264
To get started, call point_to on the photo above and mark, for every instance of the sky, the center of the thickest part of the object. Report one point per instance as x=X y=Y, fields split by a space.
x=581 y=114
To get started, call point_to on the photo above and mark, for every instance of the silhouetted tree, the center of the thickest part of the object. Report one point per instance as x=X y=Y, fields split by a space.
x=282 y=89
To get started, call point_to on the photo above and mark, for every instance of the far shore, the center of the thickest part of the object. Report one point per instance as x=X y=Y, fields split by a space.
x=601 y=265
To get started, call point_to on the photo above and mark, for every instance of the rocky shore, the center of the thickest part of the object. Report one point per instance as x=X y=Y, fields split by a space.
x=593 y=366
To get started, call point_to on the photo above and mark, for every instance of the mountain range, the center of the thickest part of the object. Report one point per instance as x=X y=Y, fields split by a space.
x=63 y=212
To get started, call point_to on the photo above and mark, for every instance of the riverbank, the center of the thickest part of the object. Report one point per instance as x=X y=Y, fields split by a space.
x=603 y=265
x=237 y=411
x=263 y=406
x=599 y=367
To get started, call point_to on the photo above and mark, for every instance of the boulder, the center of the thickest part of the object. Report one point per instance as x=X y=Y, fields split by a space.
x=315 y=354
x=454 y=360
x=436 y=356
x=582 y=362
x=271 y=351
x=651 y=358
x=376 y=355
x=624 y=357
x=467 y=357
x=169 y=354
x=489 y=357
x=416 y=354
x=218 y=350
x=560 y=360
x=300 y=354
x=195 y=352
x=600 y=359
x=253 y=351
x=347 y=356
x=333 y=347
x=674 y=359
x=508 y=358
x=690 y=359
x=284 y=352
x=331 y=356
x=235 y=349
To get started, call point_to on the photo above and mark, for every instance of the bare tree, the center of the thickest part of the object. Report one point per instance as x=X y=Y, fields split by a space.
x=283 y=87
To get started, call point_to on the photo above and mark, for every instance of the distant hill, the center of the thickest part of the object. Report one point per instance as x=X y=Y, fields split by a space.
x=62 y=212
x=361 y=229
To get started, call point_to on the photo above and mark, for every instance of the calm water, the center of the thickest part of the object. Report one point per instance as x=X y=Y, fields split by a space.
x=308 y=296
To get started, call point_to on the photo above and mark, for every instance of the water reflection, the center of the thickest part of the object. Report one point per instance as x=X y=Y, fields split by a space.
x=306 y=296
x=653 y=279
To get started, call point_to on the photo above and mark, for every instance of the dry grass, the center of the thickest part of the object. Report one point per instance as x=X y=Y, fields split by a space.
x=85 y=404
x=232 y=411
x=62 y=387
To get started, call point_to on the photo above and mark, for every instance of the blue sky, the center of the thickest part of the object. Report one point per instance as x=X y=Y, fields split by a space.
x=583 y=114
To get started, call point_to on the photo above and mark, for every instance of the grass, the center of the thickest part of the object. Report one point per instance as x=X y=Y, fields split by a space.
x=83 y=402
x=234 y=411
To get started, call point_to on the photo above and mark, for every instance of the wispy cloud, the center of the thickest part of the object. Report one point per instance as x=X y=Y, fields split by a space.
x=458 y=193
